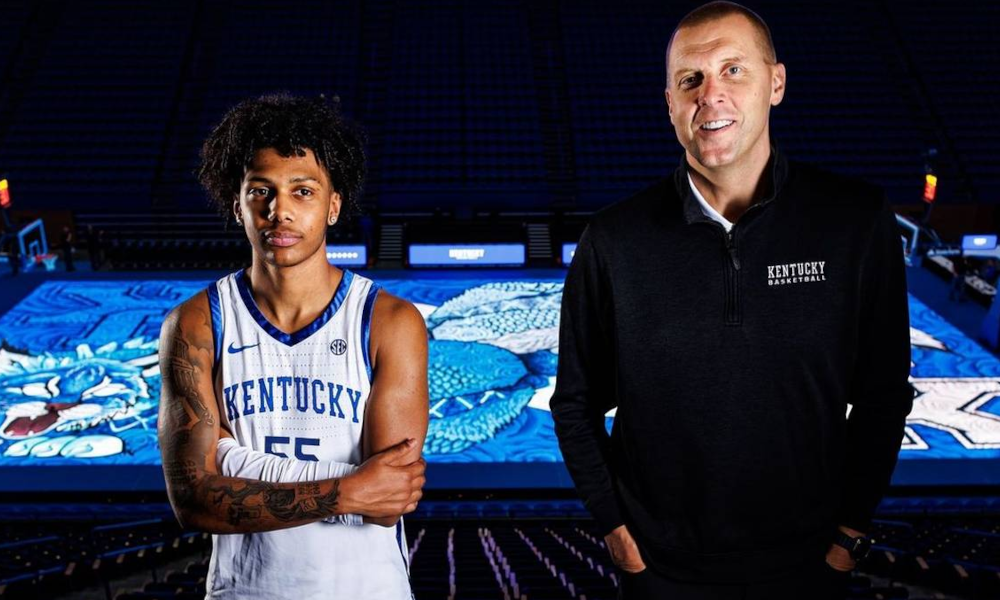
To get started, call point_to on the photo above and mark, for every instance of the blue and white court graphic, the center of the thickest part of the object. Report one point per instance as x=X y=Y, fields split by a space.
x=80 y=381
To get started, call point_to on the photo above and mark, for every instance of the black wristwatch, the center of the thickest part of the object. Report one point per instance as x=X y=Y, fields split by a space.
x=857 y=547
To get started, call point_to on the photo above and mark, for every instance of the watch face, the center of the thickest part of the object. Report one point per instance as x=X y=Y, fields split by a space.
x=862 y=547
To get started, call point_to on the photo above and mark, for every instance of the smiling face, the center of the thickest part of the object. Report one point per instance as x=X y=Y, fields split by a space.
x=285 y=204
x=720 y=89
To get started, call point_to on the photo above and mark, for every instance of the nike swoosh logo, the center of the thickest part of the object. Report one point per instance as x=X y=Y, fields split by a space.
x=235 y=350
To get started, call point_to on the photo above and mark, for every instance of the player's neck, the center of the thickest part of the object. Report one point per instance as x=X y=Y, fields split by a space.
x=292 y=297
x=731 y=189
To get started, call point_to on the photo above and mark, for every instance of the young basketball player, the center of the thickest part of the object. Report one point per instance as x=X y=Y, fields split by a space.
x=280 y=379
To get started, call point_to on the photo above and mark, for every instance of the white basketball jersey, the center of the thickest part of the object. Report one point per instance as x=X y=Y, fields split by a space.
x=303 y=396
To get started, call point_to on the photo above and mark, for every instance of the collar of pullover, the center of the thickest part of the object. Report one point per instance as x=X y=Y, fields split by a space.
x=777 y=163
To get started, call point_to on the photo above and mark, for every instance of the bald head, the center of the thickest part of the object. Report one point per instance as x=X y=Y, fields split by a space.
x=714 y=11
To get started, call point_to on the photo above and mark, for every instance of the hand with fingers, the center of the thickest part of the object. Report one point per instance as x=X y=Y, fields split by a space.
x=624 y=551
x=387 y=485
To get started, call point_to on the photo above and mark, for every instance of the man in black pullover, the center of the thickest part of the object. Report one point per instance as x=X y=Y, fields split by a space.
x=730 y=314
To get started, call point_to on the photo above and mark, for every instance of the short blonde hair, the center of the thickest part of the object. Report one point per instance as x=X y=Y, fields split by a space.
x=720 y=9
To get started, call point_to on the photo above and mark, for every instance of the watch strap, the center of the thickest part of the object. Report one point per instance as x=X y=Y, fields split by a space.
x=857 y=547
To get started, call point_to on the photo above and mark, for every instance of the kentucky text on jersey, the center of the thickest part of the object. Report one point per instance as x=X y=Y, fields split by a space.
x=300 y=394
x=796 y=272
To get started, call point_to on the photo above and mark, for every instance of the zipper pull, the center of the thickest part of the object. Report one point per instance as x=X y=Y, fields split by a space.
x=731 y=247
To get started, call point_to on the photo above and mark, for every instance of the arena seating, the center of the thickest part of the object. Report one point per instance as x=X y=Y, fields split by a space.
x=245 y=49
x=86 y=117
x=15 y=16
x=966 y=129
x=495 y=106
x=68 y=547
x=465 y=549
x=461 y=123
x=181 y=241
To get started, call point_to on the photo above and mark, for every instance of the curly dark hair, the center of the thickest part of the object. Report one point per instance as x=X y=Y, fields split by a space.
x=289 y=124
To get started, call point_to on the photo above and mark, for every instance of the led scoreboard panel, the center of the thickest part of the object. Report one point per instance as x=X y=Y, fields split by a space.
x=80 y=385
x=979 y=242
x=347 y=255
x=466 y=255
x=568 y=252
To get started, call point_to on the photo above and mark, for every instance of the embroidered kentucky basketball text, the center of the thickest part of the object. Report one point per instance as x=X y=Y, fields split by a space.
x=801 y=272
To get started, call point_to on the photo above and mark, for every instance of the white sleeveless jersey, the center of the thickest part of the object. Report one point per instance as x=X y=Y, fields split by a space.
x=302 y=396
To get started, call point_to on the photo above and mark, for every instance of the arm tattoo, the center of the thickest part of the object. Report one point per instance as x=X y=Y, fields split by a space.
x=188 y=435
x=283 y=505
x=181 y=477
x=310 y=488
x=183 y=378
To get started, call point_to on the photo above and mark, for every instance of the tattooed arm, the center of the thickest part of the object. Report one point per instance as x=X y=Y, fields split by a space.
x=398 y=404
x=235 y=460
x=188 y=433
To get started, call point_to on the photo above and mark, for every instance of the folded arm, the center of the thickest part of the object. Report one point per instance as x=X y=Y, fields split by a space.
x=207 y=500
x=235 y=460
x=398 y=406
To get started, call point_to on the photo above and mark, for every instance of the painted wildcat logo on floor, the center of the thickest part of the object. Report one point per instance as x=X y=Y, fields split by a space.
x=491 y=351
x=76 y=404
x=960 y=407
x=493 y=355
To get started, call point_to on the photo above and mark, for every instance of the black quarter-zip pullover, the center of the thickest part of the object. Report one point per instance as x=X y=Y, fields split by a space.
x=731 y=360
